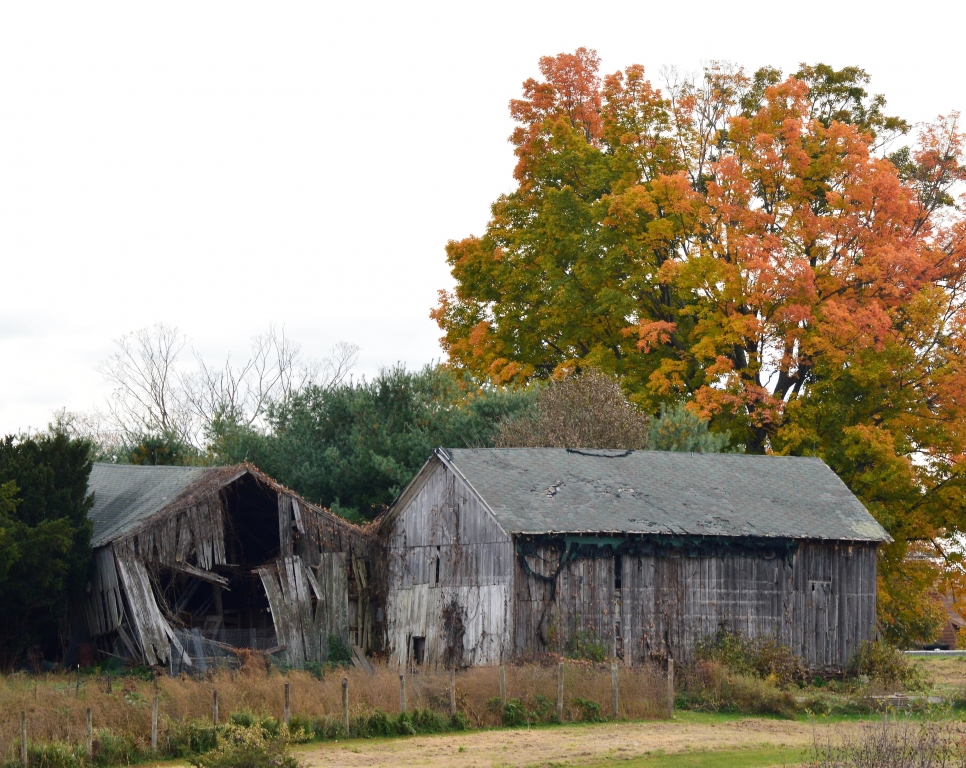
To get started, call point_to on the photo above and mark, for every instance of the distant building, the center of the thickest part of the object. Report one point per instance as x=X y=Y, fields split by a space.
x=493 y=555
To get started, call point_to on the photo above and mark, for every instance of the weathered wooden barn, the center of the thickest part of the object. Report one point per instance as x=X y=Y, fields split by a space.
x=187 y=557
x=502 y=554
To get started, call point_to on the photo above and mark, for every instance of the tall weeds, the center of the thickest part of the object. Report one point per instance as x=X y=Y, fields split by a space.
x=56 y=706
x=892 y=743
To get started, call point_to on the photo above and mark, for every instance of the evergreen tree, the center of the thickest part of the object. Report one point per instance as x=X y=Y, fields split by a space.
x=679 y=429
x=45 y=551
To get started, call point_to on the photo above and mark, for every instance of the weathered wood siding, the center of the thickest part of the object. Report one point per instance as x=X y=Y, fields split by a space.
x=821 y=604
x=450 y=571
x=308 y=605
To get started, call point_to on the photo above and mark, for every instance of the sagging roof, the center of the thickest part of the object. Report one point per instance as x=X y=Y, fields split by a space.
x=126 y=495
x=559 y=490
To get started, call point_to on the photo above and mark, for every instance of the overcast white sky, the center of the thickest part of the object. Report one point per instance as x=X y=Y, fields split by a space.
x=218 y=166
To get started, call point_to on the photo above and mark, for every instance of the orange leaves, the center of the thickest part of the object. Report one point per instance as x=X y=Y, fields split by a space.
x=571 y=90
x=733 y=240
x=652 y=334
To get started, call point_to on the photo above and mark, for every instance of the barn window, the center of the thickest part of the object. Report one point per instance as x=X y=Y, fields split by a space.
x=419 y=650
x=618 y=568
x=437 y=565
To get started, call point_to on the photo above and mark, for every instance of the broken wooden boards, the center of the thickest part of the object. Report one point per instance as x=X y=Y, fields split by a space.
x=308 y=605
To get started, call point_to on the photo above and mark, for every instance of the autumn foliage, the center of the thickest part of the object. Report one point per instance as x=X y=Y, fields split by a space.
x=749 y=245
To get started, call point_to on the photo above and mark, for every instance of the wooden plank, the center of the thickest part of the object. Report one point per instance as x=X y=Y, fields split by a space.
x=200 y=573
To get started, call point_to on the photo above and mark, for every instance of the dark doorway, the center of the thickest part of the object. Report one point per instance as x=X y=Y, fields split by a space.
x=419 y=650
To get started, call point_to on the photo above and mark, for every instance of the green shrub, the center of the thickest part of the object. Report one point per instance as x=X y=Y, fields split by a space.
x=886 y=664
x=243 y=719
x=248 y=747
x=585 y=644
x=430 y=721
x=713 y=687
x=340 y=654
x=763 y=657
x=191 y=738
x=589 y=710
x=114 y=748
x=517 y=713
x=55 y=755
x=301 y=728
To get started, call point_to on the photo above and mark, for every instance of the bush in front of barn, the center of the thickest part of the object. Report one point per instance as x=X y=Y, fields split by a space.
x=733 y=673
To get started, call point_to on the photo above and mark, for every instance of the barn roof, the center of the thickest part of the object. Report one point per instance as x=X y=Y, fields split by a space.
x=126 y=495
x=558 y=490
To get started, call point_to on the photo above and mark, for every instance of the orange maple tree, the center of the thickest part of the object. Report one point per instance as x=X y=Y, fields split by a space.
x=744 y=243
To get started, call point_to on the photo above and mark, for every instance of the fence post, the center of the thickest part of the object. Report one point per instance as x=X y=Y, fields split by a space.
x=613 y=683
x=288 y=703
x=452 y=693
x=154 y=724
x=90 y=733
x=214 y=707
x=503 y=688
x=560 y=671
x=23 y=738
x=402 y=693
x=670 y=687
x=345 y=705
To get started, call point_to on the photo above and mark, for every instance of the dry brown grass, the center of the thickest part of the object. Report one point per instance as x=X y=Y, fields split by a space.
x=56 y=707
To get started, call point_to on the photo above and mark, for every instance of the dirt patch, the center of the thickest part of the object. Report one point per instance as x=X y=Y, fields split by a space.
x=560 y=746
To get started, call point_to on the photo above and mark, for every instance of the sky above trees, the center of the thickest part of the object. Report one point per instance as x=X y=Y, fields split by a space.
x=227 y=167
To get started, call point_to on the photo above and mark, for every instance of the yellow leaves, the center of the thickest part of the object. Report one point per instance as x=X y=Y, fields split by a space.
x=668 y=379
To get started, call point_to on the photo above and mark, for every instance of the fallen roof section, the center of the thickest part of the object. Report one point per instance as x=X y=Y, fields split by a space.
x=565 y=490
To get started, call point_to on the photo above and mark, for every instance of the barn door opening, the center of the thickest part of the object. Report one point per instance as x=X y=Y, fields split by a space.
x=419 y=650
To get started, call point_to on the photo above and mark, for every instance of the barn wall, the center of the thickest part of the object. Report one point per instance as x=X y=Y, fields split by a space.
x=821 y=602
x=461 y=606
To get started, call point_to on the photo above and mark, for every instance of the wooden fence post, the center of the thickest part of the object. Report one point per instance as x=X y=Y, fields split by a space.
x=614 y=694
x=345 y=705
x=154 y=724
x=560 y=673
x=214 y=707
x=452 y=693
x=670 y=687
x=23 y=738
x=90 y=733
x=503 y=688
x=402 y=693
x=288 y=703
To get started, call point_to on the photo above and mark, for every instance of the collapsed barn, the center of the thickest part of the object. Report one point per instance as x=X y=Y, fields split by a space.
x=500 y=554
x=190 y=558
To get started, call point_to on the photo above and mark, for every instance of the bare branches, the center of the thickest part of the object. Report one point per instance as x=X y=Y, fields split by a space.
x=274 y=371
x=147 y=397
x=157 y=393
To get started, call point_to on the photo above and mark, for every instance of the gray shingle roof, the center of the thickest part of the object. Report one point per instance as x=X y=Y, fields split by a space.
x=125 y=495
x=557 y=490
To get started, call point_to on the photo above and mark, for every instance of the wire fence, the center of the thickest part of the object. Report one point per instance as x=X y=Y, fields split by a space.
x=55 y=706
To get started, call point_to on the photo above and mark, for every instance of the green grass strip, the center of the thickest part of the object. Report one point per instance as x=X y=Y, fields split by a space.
x=765 y=757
